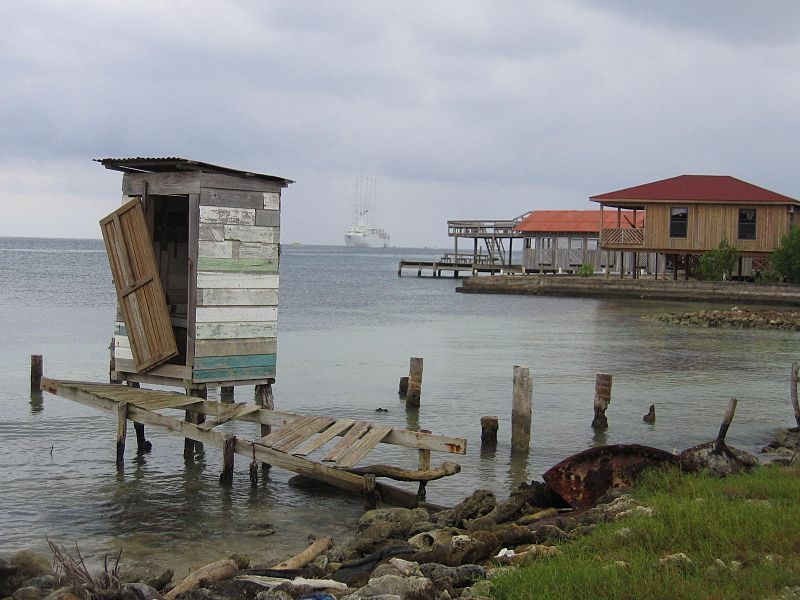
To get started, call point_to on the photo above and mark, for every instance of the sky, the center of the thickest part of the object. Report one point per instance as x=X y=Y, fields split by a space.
x=458 y=109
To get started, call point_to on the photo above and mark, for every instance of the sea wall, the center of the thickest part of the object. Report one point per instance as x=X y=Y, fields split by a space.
x=565 y=285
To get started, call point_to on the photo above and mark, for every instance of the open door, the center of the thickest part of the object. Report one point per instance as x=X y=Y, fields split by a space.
x=139 y=291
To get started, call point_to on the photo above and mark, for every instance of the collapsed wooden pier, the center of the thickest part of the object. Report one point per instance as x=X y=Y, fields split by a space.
x=288 y=447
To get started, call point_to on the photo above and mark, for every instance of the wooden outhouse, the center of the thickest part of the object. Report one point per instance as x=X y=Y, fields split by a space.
x=194 y=253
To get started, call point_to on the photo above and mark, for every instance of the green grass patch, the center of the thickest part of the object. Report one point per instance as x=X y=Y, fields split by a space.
x=753 y=519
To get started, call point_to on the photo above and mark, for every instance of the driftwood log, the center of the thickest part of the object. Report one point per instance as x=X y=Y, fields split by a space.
x=306 y=556
x=216 y=571
x=399 y=474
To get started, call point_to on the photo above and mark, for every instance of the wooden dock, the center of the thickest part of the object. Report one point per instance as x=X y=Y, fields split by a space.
x=467 y=264
x=288 y=447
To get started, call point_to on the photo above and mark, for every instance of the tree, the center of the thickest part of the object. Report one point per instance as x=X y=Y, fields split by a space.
x=718 y=264
x=786 y=258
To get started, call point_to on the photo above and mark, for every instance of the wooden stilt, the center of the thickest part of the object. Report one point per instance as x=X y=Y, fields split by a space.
x=122 y=432
x=719 y=444
x=489 y=427
x=112 y=364
x=650 y=417
x=402 y=390
x=414 y=382
x=424 y=465
x=143 y=446
x=795 y=403
x=521 y=409
x=37 y=367
x=226 y=394
x=265 y=399
x=602 y=398
x=195 y=418
x=228 y=454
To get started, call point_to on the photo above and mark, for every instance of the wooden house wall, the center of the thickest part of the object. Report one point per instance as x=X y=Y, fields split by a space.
x=709 y=224
x=238 y=256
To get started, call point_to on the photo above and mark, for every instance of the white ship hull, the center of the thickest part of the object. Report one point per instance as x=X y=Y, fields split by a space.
x=366 y=239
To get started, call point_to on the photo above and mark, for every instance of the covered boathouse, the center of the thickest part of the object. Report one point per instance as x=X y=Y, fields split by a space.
x=194 y=253
x=688 y=215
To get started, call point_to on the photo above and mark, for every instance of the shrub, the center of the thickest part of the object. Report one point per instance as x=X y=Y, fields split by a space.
x=719 y=264
x=586 y=270
x=786 y=258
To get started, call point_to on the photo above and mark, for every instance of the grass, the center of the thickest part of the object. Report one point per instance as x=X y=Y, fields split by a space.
x=753 y=519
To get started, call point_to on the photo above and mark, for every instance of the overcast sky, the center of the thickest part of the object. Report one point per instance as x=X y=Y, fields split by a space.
x=458 y=109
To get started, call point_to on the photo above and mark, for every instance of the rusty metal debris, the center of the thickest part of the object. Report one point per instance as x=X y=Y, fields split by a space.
x=583 y=478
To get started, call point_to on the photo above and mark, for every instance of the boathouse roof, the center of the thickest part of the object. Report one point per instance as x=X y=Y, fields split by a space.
x=173 y=163
x=574 y=221
x=698 y=188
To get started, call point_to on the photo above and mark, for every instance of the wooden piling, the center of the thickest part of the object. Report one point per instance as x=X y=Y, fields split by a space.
x=489 y=427
x=143 y=446
x=602 y=398
x=226 y=393
x=112 y=364
x=37 y=367
x=521 y=409
x=402 y=390
x=650 y=417
x=719 y=444
x=266 y=400
x=414 y=382
x=424 y=465
x=795 y=403
x=122 y=432
x=194 y=418
x=228 y=454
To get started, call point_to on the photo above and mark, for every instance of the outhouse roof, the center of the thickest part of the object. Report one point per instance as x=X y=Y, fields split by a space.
x=173 y=163
x=698 y=188
x=574 y=221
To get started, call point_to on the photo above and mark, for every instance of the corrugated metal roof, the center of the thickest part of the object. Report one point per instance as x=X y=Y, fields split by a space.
x=167 y=164
x=702 y=188
x=575 y=221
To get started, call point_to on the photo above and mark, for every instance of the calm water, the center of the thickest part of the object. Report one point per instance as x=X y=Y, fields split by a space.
x=347 y=327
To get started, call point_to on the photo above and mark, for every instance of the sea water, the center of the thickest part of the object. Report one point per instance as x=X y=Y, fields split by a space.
x=347 y=327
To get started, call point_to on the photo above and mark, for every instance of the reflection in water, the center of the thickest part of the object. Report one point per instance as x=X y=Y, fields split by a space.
x=599 y=437
x=518 y=468
x=412 y=417
x=37 y=401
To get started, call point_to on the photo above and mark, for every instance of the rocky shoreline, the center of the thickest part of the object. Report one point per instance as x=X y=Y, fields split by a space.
x=735 y=317
x=395 y=553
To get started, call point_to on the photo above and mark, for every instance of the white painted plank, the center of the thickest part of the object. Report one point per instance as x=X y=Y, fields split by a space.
x=236 y=280
x=231 y=314
x=121 y=341
x=212 y=233
x=207 y=249
x=272 y=200
x=240 y=297
x=226 y=331
x=124 y=353
x=222 y=215
x=256 y=250
x=252 y=233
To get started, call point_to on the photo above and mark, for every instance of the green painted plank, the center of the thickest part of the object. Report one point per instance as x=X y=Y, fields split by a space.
x=240 y=374
x=244 y=265
x=234 y=362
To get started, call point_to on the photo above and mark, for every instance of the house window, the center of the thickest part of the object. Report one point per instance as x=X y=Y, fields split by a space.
x=591 y=244
x=678 y=221
x=747 y=223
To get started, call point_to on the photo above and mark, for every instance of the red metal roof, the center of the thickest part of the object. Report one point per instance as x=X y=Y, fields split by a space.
x=575 y=221
x=702 y=188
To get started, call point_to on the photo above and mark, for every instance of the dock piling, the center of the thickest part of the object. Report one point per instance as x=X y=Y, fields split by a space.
x=719 y=443
x=489 y=427
x=602 y=398
x=650 y=417
x=521 y=409
x=424 y=465
x=195 y=418
x=37 y=367
x=122 y=432
x=226 y=393
x=266 y=400
x=228 y=455
x=414 y=381
x=402 y=390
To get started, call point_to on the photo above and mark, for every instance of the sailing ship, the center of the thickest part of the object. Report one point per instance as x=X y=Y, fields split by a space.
x=363 y=232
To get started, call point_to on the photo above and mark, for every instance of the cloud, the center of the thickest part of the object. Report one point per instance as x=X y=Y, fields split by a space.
x=469 y=107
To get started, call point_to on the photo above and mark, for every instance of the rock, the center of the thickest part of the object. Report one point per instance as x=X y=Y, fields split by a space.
x=461 y=542
x=161 y=581
x=375 y=536
x=636 y=511
x=433 y=539
x=397 y=566
x=722 y=463
x=537 y=516
x=679 y=561
x=581 y=530
x=274 y=595
x=29 y=593
x=30 y=564
x=402 y=587
x=548 y=533
x=405 y=518
x=534 y=552
x=480 y=591
x=357 y=571
x=422 y=527
x=503 y=511
x=537 y=493
x=45 y=582
x=456 y=577
x=481 y=502
x=140 y=591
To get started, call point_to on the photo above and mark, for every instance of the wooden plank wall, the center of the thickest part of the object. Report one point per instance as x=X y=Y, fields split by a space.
x=709 y=224
x=237 y=281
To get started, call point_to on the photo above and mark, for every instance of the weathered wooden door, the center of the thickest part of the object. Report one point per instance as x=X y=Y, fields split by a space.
x=139 y=291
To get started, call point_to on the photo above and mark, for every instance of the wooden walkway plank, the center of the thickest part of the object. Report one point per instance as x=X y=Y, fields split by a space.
x=338 y=428
x=284 y=432
x=363 y=446
x=303 y=433
x=350 y=438
x=234 y=412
